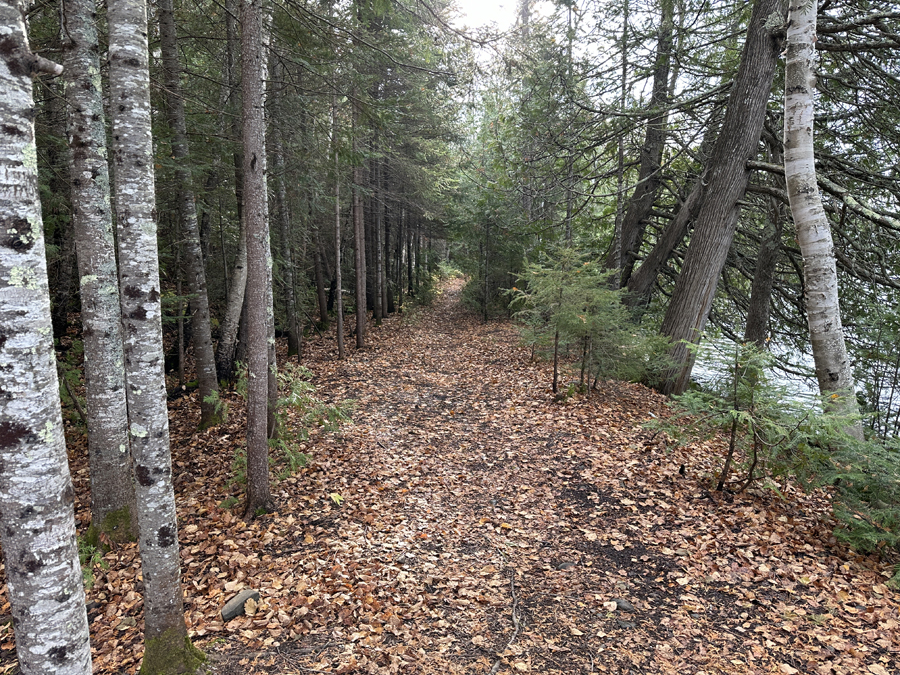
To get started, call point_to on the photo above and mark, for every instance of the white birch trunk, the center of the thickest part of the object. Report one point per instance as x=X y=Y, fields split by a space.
x=813 y=232
x=37 y=521
x=112 y=491
x=166 y=645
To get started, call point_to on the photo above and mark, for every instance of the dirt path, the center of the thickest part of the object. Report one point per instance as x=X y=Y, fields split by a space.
x=483 y=528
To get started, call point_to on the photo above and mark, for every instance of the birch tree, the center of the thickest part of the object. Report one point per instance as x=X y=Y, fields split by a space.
x=37 y=520
x=112 y=491
x=823 y=313
x=167 y=648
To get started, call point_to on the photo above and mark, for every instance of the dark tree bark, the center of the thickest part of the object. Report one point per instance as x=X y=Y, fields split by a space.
x=228 y=333
x=634 y=222
x=359 y=242
x=321 y=291
x=253 y=68
x=737 y=143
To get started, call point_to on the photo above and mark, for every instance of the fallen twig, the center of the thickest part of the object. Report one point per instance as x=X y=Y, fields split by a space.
x=515 y=618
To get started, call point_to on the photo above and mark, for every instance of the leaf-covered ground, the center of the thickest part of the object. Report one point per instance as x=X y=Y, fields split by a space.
x=483 y=528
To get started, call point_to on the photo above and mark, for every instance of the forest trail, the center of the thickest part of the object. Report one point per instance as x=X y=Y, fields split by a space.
x=483 y=528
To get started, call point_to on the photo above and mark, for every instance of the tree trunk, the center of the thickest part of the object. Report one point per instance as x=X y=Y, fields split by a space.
x=65 y=281
x=231 y=323
x=695 y=290
x=321 y=291
x=359 y=242
x=757 y=327
x=338 y=293
x=167 y=647
x=287 y=255
x=634 y=222
x=253 y=68
x=113 y=509
x=195 y=271
x=640 y=284
x=228 y=333
x=813 y=232
x=37 y=520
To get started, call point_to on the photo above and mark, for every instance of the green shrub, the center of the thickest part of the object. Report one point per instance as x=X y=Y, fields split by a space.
x=773 y=434
x=566 y=306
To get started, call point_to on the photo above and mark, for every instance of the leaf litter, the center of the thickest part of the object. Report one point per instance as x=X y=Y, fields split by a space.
x=466 y=523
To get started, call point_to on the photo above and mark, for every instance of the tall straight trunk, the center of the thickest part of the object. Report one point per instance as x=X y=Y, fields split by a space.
x=228 y=337
x=287 y=254
x=634 y=223
x=615 y=252
x=37 y=519
x=387 y=296
x=64 y=290
x=194 y=268
x=339 y=297
x=113 y=509
x=695 y=290
x=253 y=68
x=321 y=291
x=167 y=647
x=359 y=241
x=813 y=231
x=380 y=304
x=228 y=333
x=282 y=206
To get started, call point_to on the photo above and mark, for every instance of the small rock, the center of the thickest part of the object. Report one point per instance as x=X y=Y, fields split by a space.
x=126 y=622
x=623 y=605
x=235 y=606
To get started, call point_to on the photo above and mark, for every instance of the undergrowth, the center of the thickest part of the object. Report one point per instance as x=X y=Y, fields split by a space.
x=774 y=436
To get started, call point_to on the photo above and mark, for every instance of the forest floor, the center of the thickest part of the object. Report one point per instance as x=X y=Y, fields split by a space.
x=484 y=528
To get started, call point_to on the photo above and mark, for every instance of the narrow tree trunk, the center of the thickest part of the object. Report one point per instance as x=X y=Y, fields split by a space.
x=359 y=242
x=649 y=179
x=321 y=292
x=640 y=284
x=195 y=271
x=694 y=292
x=65 y=278
x=228 y=333
x=167 y=648
x=253 y=68
x=231 y=323
x=37 y=520
x=338 y=294
x=615 y=249
x=813 y=231
x=287 y=255
x=113 y=511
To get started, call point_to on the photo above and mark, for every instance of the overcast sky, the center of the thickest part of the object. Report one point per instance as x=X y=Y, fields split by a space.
x=480 y=12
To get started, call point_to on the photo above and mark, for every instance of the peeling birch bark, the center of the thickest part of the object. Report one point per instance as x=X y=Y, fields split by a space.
x=823 y=313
